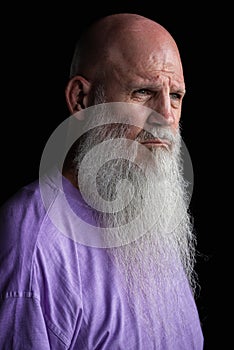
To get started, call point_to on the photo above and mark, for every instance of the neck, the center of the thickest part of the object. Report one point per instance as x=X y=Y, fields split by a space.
x=70 y=175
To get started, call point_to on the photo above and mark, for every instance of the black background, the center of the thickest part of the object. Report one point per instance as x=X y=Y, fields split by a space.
x=37 y=46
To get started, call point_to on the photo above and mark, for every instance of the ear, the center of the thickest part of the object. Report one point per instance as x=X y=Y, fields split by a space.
x=76 y=93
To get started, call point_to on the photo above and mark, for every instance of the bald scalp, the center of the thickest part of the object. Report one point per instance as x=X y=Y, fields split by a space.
x=116 y=34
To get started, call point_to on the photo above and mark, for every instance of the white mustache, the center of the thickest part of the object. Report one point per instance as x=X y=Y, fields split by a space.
x=162 y=133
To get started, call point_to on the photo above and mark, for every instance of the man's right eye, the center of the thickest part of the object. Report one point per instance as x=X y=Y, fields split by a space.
x=143 y=92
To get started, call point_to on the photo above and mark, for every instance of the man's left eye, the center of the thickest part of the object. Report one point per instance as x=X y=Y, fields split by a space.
x=175 y=96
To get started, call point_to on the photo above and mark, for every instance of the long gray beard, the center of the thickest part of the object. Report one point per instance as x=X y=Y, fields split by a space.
x=153 y=263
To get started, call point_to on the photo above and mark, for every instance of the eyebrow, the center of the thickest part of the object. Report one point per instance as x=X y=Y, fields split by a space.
x=180 y=91
x=152 y=86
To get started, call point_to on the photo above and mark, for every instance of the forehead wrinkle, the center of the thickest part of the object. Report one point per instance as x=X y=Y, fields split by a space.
x=160 y=77
x=145 y=67
x=156 y=79
x=153 y=80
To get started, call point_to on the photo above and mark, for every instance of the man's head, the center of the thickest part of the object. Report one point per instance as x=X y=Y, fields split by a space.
x=135 y=60
x=129 y=59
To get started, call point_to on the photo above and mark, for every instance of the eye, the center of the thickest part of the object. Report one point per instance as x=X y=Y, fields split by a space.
x=176 y=96
x=143 y=92
x=142 y=95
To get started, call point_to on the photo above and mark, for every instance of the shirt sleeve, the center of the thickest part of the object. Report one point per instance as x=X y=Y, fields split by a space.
x=22 y=325
x=40 y=288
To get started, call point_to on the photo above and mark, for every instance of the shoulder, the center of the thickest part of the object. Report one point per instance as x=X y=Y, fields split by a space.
x=37 y=260
x=25 y=198
x=22 y=214
x=21 y=217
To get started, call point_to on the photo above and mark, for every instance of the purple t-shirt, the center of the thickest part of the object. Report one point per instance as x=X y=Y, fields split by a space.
x=56 y=293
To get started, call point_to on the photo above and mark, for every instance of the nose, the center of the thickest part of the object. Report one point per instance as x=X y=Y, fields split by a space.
x=162 y=113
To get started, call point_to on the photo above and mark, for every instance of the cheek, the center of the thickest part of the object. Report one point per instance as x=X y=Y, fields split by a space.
x=133 y=132
x=177 y=119
x=175 y=125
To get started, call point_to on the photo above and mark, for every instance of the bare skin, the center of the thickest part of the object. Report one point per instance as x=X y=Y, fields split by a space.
x=137 y=61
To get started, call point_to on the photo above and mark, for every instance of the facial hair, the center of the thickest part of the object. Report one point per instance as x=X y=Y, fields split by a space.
x=154 y=263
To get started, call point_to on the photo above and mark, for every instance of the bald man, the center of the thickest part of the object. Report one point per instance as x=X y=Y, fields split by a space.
x=99 y=253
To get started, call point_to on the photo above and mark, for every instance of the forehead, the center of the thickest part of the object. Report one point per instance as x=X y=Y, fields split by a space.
x=148 y=59
x=150 y=70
